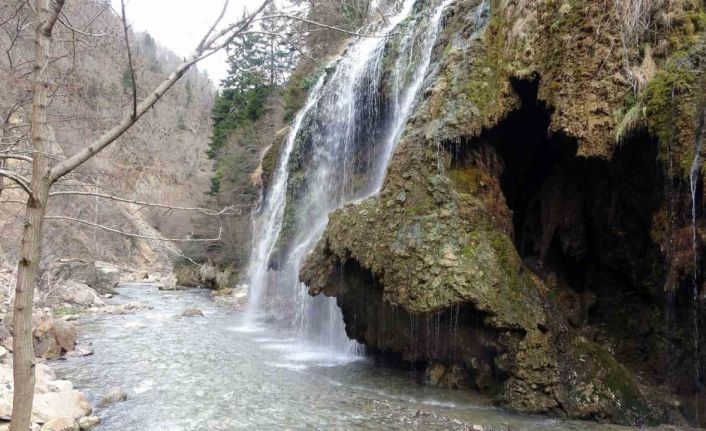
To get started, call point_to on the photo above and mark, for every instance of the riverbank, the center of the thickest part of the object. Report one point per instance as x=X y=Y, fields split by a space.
x=62 y=298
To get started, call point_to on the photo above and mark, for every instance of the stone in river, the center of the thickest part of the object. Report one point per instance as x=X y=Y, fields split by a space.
x=192 y=312
x=112 y=397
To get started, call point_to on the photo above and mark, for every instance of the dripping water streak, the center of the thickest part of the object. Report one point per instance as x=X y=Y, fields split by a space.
x=694 y=176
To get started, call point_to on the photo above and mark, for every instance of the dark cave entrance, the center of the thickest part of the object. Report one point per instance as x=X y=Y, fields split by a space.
x=585 y=226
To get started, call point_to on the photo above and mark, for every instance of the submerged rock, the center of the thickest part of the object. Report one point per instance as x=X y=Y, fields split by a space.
x=112 y=397
x=192 y=312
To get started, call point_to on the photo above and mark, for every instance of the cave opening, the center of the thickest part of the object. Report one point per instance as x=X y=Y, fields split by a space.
x=585 y=225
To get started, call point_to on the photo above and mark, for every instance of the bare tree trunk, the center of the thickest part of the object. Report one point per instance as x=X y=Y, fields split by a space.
x=23 y=355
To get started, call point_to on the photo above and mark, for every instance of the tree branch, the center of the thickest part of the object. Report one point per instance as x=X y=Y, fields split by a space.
x=134 y=235
x=213 y=27
x=322 y=25
x=19 y=180
x=15 y=156
x=48 y=25
x=208 y=48
x=225 y=211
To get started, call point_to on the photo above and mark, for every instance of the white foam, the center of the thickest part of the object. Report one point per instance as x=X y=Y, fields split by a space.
x=288 y=366
x=143 y=387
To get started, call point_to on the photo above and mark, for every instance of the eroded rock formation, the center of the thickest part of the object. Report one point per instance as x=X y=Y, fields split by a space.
x=533 y=237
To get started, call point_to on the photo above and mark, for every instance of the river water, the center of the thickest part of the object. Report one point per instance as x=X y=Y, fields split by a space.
x=208 y=373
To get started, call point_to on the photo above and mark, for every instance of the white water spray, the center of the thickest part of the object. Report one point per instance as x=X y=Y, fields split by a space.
x=337 y=151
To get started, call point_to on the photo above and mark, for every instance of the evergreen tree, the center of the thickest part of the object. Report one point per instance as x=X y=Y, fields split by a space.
x=267 y=55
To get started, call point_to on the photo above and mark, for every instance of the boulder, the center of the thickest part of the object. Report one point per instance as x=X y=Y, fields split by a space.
x=123 y=308
x=101 y=276
x=64 y=423
x=208 y=275
x=187 y=275
x=54 y=337
x=222 y=292
x=81 y=294
x=234 y=298
x=223 y=278
x=112 y=397
x=57 y=404
x=88 y=422
x=169 y=283
x=192 y=312
x=73 y=294
x=107 y=278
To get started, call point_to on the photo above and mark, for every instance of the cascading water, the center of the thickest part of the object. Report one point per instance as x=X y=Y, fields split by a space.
x=342 y=141
x=694 y=176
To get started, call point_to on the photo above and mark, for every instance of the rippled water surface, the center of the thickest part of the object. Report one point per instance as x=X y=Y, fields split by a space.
x=210 y=373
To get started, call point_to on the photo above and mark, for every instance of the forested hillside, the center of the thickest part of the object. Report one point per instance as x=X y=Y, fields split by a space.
x=162 y=159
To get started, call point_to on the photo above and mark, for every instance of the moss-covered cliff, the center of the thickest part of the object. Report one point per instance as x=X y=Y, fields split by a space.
x=533 y=235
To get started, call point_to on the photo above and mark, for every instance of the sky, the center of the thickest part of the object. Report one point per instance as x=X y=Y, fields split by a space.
x=180 y=24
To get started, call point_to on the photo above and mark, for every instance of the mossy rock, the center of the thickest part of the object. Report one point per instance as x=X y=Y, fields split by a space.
x=600 y=388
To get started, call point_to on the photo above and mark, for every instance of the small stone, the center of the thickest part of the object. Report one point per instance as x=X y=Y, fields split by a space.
x=192 y=312
x=112 y=397
x=64 y=423
x=88 y=422
x=3 y=353
x=565 y=9
x=477 y=428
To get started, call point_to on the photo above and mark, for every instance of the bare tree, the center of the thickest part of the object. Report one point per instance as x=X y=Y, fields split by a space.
x=37 y=170
x=37 y=186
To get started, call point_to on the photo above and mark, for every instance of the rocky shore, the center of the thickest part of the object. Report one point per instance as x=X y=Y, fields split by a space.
x=68 y=290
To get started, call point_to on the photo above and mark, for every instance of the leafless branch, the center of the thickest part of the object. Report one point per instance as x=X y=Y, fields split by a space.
x=15 y=156
x=19 y=180
x=322 y=25
x=134 y=235
x=67 y=23
x=225 y=211
x=211 y=45
x=213 y=27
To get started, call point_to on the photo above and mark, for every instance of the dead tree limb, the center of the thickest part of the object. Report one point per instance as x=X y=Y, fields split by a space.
x=225 y=211
x=134 y=235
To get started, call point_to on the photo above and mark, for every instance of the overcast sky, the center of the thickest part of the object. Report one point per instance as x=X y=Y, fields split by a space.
x=180 y=24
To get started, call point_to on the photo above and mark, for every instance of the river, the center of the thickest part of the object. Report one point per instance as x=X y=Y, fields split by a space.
x=208 y=373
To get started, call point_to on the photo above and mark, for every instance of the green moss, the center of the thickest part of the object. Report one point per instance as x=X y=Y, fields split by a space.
x=615 y=385
x=669 y=102
x=468 y=179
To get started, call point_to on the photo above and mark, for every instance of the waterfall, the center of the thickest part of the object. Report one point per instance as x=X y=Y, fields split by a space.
x=336 y=152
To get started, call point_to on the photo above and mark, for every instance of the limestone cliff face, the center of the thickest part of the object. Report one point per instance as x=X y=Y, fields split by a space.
x=533 y=234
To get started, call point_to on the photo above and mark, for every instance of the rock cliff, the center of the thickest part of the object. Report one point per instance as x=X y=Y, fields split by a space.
x=534 y=236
